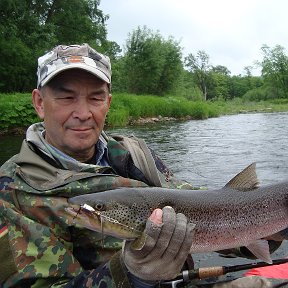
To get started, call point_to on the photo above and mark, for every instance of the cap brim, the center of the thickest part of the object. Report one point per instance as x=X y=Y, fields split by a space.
x=97 y=72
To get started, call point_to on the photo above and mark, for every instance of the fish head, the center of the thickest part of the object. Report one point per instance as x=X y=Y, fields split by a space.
x=109 y=216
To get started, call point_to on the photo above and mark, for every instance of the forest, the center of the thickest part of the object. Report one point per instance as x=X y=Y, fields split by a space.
x=148 y=64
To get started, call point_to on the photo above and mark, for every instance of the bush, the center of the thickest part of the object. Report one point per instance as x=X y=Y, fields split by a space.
x=117 y=117
x=263 y=93
x=16 y=110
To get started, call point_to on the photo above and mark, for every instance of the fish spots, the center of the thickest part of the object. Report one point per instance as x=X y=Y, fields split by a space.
x=124 y=218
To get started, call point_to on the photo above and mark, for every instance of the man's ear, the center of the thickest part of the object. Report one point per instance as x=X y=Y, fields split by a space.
x=38 y=104
x=109 y=100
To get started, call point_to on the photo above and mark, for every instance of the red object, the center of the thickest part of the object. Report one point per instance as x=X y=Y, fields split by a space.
x=3 y=230
x=274 y=271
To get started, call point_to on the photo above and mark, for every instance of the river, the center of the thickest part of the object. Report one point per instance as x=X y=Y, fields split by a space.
x=210 y=152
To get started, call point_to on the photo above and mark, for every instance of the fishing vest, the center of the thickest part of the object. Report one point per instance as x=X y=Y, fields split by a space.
x=43 y=243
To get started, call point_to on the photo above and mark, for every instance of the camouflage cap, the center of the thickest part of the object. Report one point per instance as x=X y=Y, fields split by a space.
x=63 y=57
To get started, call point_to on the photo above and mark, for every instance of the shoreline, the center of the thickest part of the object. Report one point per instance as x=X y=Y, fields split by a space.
x=140 y=121
x=143 y=121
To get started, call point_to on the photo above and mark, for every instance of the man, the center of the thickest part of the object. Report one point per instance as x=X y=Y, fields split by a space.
x=68 y=154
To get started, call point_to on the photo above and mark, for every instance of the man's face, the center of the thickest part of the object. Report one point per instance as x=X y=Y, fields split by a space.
x=74 y=106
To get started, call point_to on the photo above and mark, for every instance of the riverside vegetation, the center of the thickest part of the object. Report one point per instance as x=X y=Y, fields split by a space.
x=17 y=112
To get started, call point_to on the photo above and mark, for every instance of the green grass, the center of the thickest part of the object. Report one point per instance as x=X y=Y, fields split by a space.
x=16 y=110
x=126 y=108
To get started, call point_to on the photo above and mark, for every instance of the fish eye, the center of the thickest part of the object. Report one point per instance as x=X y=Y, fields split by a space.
x=99 y=206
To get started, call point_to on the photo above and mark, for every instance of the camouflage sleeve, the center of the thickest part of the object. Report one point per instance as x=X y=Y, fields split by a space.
x=113 y=274
x=96 y=278
x=37 y=247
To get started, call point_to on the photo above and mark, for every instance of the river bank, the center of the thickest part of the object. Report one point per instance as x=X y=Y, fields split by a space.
x=17 y=112
x=135 y=122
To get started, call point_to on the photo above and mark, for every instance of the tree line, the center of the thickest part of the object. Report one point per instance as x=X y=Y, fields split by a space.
x=148 y=64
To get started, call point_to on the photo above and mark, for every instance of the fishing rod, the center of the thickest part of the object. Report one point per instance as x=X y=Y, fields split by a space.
x=208 y=272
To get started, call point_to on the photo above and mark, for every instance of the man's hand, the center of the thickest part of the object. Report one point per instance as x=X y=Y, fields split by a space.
x=165 y=249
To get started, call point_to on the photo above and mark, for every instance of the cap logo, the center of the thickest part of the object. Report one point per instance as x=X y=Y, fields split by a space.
x=75 y=59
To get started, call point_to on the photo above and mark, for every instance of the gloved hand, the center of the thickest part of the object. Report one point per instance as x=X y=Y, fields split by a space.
x=165 y=249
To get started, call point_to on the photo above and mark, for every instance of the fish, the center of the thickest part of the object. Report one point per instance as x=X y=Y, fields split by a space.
x=239 y=214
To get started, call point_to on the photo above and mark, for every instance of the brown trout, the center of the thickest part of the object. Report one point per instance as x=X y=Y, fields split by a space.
x=239 y=214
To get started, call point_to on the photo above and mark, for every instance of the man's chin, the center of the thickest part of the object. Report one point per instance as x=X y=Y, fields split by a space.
x=81 y=145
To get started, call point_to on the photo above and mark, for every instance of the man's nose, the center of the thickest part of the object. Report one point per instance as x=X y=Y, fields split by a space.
x=82 y=110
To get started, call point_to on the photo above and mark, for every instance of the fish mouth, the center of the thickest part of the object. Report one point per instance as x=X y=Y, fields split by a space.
x=97 y=221
x=84 y=218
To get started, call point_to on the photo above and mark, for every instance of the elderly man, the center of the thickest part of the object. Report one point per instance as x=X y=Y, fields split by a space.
x=69 y=154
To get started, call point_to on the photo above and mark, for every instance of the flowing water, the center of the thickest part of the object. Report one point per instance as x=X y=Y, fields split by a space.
x=210 y=152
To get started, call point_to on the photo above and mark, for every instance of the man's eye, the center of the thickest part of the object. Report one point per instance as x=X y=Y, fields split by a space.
x=97 y=100
x=66 y=98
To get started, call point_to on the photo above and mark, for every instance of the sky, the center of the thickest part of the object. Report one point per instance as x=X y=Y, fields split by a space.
x=231 y=32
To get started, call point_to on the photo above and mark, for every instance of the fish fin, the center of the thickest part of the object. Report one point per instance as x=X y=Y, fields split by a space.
x=260 y=248
x=279 y=236
x=245 y=180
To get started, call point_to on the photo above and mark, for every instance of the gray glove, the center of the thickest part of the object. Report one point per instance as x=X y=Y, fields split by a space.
x=165 y=249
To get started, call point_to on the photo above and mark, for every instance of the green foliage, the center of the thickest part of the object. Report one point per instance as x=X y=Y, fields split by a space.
x=263 y=93
x=28 y=28
x=199 y=65
x=149 y=64
x=218 y=85
x=75 y=21
x=22 y=38
x=275 y=68
x=187 y=87
x=140 y=106
x=193 y=94
x=240 y=85
x=118 y=75
x=16 y=111
x=152 y=65
x=117 y=117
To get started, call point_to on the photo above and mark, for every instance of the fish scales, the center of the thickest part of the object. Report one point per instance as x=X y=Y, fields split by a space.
x=236 y=215
x=224 y=218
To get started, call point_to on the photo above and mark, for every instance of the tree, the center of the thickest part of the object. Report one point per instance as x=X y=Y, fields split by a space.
x=200 y=67
x=221 y=70
x=28 y=28
x=111 y=49
x=75 y=21
x=152 y=64
x=275 y=68
x=218 y=83
x=218 y=86
x=22 y=39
